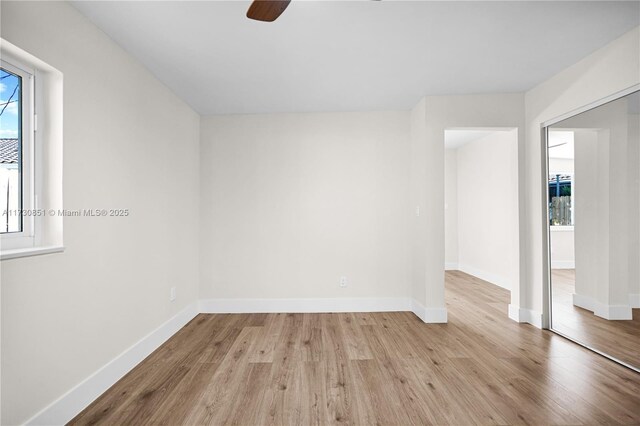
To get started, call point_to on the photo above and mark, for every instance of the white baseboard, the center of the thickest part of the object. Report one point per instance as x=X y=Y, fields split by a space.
x=615 y=312
x=451 y=266
x=254 y=306
x=363 y=304
x=584 y=302
x=563 y=264
x=77 y=399
x=529 y=316
x=610 y=312
x=634 y=300
x=429 y=315
x=498 y=280
x=514 y=312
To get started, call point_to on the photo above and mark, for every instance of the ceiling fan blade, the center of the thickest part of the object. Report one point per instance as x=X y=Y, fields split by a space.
x=267 y=10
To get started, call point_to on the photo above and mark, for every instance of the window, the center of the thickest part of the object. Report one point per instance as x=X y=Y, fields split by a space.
x=17 y=195
x=30 y=155
x=560 y=200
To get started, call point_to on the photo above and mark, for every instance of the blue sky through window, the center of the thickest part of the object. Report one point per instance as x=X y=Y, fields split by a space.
x=9 y=118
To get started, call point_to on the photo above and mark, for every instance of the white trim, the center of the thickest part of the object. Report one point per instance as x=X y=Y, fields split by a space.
x=634 y=300
x=584 y=302
x=30 y=251
x=563 y=264
x=492 y=278
x=522 y=315
x=514 y=312
x=614 y=312
x=77 y=399
x=609 y=312
x=419 y=310
x=326 y=305
x=532 y=317
x=451 y=266
x=429 y=315
x=26 y=237
x=46 y=153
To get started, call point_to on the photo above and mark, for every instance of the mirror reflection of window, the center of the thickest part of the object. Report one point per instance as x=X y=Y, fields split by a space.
x=561 y=178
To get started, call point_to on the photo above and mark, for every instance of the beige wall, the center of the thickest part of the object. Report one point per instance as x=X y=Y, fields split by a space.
x=295 y=201
x=563 y=254
x=128 y=143
x=488 y=208
x=611 y=69
x=433 y=116
x=419 y=244
x=634 y=208
x=451 y=209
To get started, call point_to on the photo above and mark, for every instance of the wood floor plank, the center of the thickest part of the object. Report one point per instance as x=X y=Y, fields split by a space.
x=311 y=339
x=354 y=340
x=339 y=386
x=277 y=408
x=218 y=398
x=246 y=410
x=373 y=387
x=265 y=346
x=180 y=402
x=373 y=368
x=620 y=338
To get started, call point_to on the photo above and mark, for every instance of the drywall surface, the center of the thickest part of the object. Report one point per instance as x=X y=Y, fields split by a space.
x=488 y=208
x=563 y=254
x=634 y=208
x=428 y=189
x=592 y=173
x=294 y=202
x=451 y=208
x=129 y=143
x=419 y=202
x=611 y=69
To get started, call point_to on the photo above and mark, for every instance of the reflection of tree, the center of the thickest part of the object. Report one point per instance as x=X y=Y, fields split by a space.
x=10 y=100
x=15 y=89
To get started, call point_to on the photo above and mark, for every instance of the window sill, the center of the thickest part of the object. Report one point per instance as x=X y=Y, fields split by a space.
x=559 y=228
x=31 y=251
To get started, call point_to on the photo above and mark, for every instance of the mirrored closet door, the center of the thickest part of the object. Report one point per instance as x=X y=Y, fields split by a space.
x=593 y=163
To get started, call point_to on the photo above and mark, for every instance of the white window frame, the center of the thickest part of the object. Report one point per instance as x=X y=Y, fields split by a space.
x=28 y=237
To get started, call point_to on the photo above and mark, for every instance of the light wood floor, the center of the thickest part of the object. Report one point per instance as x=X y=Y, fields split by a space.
x=620 y=339
x=382 y=368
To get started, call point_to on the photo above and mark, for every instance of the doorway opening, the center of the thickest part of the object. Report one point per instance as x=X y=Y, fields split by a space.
x=481 y=210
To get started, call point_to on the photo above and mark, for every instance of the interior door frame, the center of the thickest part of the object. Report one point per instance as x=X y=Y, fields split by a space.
x=547 y=314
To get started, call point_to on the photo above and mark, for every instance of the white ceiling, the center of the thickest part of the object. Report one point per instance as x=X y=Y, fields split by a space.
x=355 y=55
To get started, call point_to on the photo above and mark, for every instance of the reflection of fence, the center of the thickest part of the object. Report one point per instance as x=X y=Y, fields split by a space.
x=560 y=211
